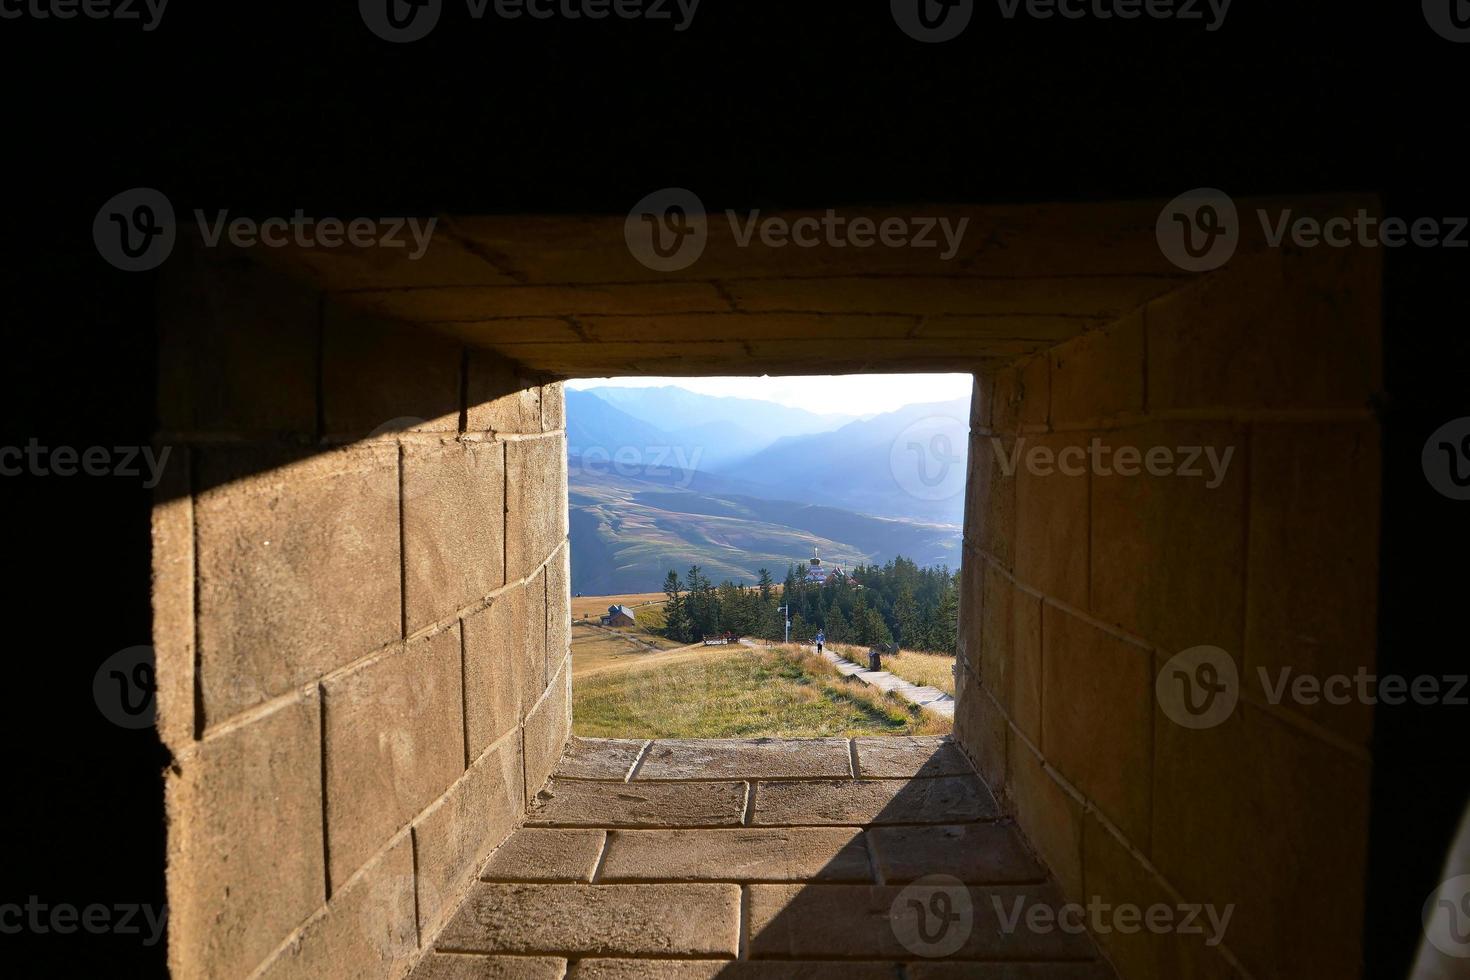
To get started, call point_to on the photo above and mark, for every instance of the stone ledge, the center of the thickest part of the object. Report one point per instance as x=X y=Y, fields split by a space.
x=566 y=803
x=744 y=854
x=942 y=800
x=576 y=920
x=758 y=758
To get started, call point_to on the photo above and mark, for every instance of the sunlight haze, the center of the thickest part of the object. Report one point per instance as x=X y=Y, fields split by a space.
x=851 y=394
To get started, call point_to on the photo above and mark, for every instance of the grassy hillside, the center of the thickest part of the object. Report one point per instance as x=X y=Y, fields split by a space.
x=731 y=693
x=626 y=534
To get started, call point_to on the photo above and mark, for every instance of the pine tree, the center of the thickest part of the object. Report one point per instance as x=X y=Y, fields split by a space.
x=837 y=628
x=765 y=584
x=906 y=619
x=877 y=629
x=947 y=620
x=676 y=619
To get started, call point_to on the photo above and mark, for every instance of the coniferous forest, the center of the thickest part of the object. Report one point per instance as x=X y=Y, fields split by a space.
x=899 y=602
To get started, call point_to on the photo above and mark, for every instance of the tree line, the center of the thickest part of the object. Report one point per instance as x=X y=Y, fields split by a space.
x=899 y=602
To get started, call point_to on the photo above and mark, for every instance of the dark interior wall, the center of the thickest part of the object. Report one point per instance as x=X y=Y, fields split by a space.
x=1420 y=785
x=266 y=107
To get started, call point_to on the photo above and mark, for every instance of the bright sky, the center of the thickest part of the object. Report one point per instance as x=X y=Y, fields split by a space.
x=848 y=394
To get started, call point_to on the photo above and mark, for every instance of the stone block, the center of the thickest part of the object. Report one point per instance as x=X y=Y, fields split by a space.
x=612 y=969
x=1035 y=409
x=173 y=603
x=1026 y=665
x=1313 y=574
x=980 y=729
x=946 y=799
x=494 y=662
x=475 y=966
x=454 y=836
x=548 y=728
x=1052 y=516
x=1100 y=374
x=366 y=931
x=1144 y=523
x=1114 y=874
x=453 y=528
x=237 y=346
x=767 y=758
x=558 y=608
x=598 y=920
x=744 y=854
x=536 y=854
x=980 y=401
x=298 y=568
x=1006 y=396
x=990 y=507
x=600 y=758
x=1236 y=804
x=878 y=921
x=535 y=662
x=536 y=502
x=553 y=407
x=245 y=863
x=997 y=630
x=394 y=743
x=1048 y=816
x=570 y=803
x=975 y=853
x=1273 y=329
x=893 y=756
x=1098 y=718
x=380 y=377
x=503 y=396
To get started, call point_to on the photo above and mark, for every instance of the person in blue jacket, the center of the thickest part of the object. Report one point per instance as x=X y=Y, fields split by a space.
x=821 y=640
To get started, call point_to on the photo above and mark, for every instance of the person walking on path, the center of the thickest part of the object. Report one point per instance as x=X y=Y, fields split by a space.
x=821 y=640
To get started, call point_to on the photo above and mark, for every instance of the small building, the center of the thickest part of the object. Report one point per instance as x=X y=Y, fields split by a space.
x=619 y=616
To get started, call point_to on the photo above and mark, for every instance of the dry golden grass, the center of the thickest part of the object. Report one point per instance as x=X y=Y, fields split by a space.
x=593 y=606
x=924 y=669
x=732 y=693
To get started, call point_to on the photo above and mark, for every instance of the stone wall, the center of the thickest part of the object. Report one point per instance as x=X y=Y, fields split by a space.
x=361 y=619
x=1080 y=588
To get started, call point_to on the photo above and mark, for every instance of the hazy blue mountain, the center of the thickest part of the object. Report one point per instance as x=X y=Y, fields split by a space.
x=603 y=438
x=593 y=423
x=720 y=442
x=673 y=409
x=907 y=463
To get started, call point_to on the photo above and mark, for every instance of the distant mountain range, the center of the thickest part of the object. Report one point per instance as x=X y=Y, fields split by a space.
x=723 y=430
x=663 y=478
